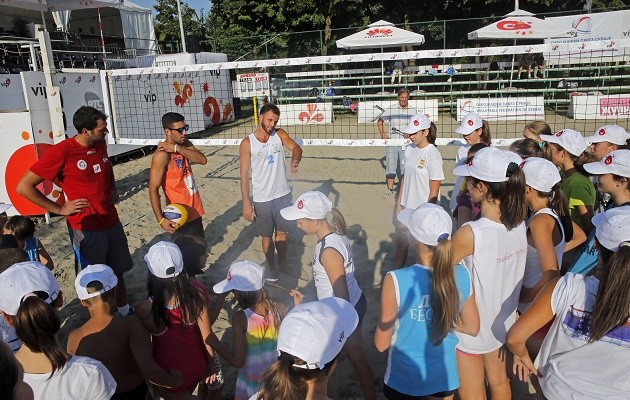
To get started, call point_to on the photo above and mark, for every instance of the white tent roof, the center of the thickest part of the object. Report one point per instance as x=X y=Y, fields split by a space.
x=380 y=34
x=59 y=5
x=520 y=24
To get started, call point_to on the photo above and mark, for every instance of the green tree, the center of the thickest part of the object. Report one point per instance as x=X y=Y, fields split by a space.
x=167 y=21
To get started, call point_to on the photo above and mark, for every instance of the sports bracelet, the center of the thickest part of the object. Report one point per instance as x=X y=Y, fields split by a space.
x=162 y=220
x=175 y=148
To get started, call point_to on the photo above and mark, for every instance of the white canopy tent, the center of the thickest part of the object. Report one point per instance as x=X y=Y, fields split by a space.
x=59 y=5
x=380 y=34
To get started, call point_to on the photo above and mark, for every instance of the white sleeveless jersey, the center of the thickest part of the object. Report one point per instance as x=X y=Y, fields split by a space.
x=497 y=266
x=532 y=263
x=322 y=283
x=269 y=173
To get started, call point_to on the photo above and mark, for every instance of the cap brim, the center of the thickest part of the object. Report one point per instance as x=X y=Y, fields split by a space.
x=462 y=170
x=595 y=139
x=291 y=213
x=550 y=138
x=410 y=130
x=464 y=130
x=404 y=216
x=222 y=287
x=596 y=168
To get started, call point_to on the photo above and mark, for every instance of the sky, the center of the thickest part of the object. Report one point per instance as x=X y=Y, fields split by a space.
x=195 y=4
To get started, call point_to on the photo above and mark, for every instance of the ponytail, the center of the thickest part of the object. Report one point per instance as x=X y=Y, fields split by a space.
x=485 y=133
x=338 y=222
x=432 y=136
x=511 y=195
x=444 y=295
x=612 y=304
x=557 y=201
x=36 y=324
x=584 y=158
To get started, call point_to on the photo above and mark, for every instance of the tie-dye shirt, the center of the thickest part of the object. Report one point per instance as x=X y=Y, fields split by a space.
x=261 y=338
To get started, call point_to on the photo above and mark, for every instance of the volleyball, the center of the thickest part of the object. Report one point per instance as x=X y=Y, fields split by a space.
x=176 y=213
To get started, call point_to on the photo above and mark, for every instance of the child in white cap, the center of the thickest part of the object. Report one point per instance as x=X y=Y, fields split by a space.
x=177 y=317
x=493 y=248
x=333 y=269
x=586 y=354
x=310 y=340
x=473 y=130
x=120 y=343
x=29 y=298
x=567 y=150
x=608 y=138
x=421 y=306
x=254 y=326
x=423 y=176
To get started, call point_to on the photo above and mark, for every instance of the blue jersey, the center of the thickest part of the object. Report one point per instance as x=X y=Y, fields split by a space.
x=415 y=366
x=31 y=247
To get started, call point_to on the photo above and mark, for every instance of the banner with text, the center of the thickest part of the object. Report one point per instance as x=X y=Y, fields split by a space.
x=505 y=108
x=600 y=107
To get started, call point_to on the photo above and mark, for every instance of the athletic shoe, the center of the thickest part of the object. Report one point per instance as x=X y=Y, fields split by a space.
x=388 y=193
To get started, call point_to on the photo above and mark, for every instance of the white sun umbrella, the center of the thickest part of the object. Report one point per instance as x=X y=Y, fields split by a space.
x=520 y=25
x=380 y=34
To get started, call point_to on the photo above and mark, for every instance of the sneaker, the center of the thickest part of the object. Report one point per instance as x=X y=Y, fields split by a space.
x=272 y=276
x=387 y=193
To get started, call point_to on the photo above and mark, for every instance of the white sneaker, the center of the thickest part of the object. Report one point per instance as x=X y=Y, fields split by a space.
x=387 y=193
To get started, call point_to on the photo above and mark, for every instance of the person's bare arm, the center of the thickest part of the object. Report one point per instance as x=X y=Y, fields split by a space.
x=44 y=257
x=239 y=330
x=159 y=166
x=296 y=150
x=463 y=243
x=187 y=150
x=387 y=318
x=434 y=190
x=381 y=128
x=586 y=215
x=333 y=264
x=27 y=187
x=468 y=321
x=401 y=186
x=577 y=239
x=244 y=159
x=541 y=235
x=73 y=342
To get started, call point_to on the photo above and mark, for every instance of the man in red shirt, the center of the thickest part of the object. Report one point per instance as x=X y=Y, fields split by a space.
x=81 y=166
x=171 y=170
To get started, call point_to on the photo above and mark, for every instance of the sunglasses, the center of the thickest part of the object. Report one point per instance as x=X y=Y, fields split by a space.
x=180 y=130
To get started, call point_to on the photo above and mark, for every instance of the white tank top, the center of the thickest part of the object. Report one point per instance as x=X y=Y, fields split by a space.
x=532 y=263
x=322 y=283
x=269 y=174
x=497 y=266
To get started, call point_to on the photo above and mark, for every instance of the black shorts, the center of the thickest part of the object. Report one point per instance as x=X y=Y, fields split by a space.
x=361 y=308
x=268 y=218
x=108 y=246
x=139 y=392
x=392 y=394
x=192 y=228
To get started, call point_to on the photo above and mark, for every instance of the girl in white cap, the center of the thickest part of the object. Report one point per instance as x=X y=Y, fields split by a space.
x=586 y=354
x=254 y=326
x=474 y=130
x=29 y=298
x=310 y=341
x=608 y=138
x=422 y=178
x=177 y=317
x=567 y=150
x=421 y=305
x=493 y=248
x=333 y=270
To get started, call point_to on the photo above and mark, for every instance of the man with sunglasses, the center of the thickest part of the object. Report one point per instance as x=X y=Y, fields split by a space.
x=171 y=170
x=81 y=166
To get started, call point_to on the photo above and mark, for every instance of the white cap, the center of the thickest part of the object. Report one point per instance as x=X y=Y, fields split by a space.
x=312 y=205
x=609 y=133
x=244 y=276
x=22 y=279
x=417 y=123
x=315 y=332
x=611 y=227
x=99 y=273
x=570 y=140
x=616 y=162
x=429 y=224
x=4 y=207
x=489 y=165
x=540 y=174
x=164 y=260
x=470 y=122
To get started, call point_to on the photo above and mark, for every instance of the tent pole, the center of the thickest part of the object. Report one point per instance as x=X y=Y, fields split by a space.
x=382 y=75
x=100 y=26
x=512 y=66
x=43 y=20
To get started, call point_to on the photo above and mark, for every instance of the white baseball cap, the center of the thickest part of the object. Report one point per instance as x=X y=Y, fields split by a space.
x=611 y=227
x=164 y=260
x=540 y=174
x=312 y=205
x=315 y=332
x=4 y=207
x=417 y=123
x=96 y=272
x=22 y=279
x=609 y=133
x=616 y=162
x=470 y=122
x=570 y=140
x=244 y=276
x=428 y=224
x=489 y=165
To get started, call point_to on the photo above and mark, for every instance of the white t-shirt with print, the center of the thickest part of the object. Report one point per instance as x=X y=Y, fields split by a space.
x=421 y=166
x=573 y=368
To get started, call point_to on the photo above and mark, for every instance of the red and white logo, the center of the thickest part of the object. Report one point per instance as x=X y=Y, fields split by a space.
x=512 y=25
x=300 y=204
x=559 y=133
x=602 y=132
x=470 y=122
x=379 y=32
x=416 y=123
x=470 y=163
x=608 y=160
